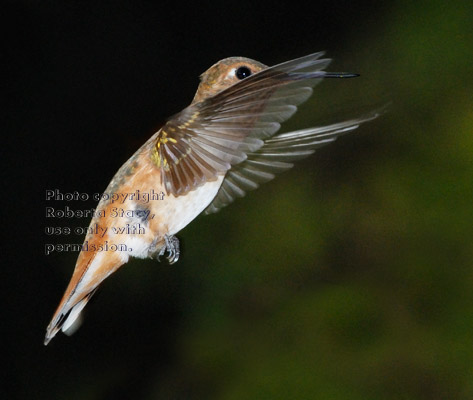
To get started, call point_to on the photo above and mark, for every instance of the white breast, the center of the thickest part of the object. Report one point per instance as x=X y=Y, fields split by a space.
x=183 y=209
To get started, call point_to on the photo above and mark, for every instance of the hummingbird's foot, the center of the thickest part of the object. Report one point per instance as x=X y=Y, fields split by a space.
x=172 y=247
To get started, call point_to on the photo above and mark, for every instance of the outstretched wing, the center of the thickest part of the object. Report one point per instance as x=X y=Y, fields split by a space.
x=207 y=138
x=276 y=156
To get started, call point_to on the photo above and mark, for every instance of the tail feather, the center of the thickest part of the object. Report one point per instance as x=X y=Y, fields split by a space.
x=75 y=312
x=67 y=318
x=91 y=269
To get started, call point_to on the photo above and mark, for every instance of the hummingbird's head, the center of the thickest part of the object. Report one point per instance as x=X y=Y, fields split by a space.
x=224 y=74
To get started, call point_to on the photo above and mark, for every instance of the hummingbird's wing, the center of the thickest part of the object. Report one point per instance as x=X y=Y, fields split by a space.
x=207 y=138
x=276 y=156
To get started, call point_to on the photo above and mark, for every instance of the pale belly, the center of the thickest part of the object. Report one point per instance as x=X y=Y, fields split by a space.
x=165 y=217
x=180 y=211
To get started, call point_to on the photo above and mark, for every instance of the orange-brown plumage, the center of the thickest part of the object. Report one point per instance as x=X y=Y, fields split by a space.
x=222 y=145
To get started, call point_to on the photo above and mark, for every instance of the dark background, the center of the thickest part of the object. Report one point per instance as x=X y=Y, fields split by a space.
x=349 y=277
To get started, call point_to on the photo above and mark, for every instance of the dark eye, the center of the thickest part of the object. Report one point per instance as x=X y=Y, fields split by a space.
x=243 y=72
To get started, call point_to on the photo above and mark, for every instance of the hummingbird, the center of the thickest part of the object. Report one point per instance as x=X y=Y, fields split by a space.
x=225 y=143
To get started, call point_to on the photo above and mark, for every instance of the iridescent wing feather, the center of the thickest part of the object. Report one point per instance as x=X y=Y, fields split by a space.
x=207 y=138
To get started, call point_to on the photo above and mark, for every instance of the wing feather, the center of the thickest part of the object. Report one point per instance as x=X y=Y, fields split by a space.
x=276 y=156
x=207 y=138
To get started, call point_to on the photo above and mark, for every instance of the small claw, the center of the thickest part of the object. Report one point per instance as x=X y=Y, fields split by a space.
x=160 y=254
x=172 y=247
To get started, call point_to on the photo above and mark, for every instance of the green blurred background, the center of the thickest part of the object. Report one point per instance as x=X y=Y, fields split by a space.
x=349 y=277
